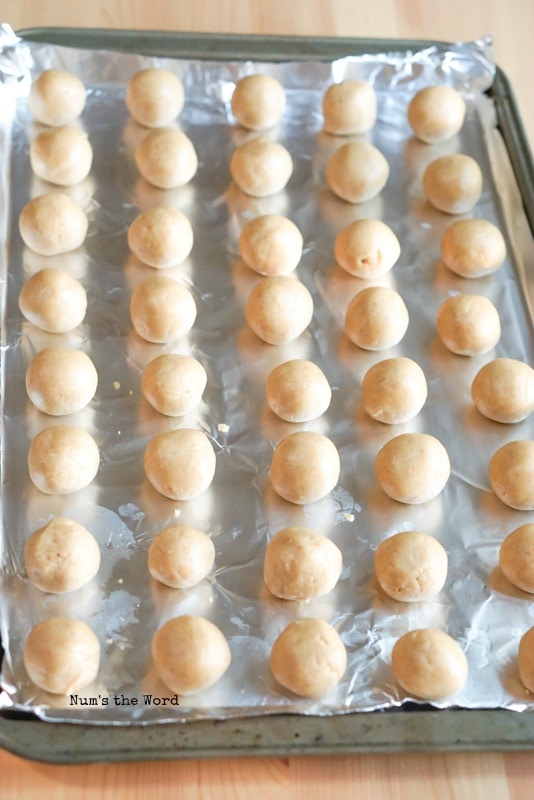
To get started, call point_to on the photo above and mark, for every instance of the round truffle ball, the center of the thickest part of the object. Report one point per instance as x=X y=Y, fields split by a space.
x=473 y=248
x=56 y=97
x=411 y=566
x=180 y=464
x=52 y=224
x=526 y=659
x=63 y=459
x=376 y=318
x=61 y=381
x=511 y=474
x=166 y=158
x=258 y=102
x=412 y=467
x=162 y=310
x=305 y=467
x=503 y=390
x=453 y=183
x=260 y=167
x=181 y=556
x=154 y=97
x=279 y=309
x=300 y=564
x=436 y=113
x=516 y=557
x=271 y=245
x=394 y=390
x=468 y=324
x=367 y=248
x=297 y=391
x=429 y=664
x=173 y=384
x=61 y=557
x=53 y=301
x=357 y=172
x=308 y=658
x=161 y=237
x=349 y=107
x=190 y=654
x=61 y=655
x=61 y=155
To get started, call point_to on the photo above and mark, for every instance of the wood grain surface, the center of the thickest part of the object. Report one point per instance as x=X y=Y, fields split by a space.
x=457 y=776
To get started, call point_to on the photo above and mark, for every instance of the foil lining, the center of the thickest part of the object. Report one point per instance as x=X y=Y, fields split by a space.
x=240 y=511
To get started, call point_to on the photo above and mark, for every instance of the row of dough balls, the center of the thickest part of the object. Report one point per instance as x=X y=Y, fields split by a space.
x=155 y=98
x=190 y=654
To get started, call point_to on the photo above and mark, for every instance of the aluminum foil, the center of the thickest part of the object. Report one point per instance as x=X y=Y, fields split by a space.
x=240 y=511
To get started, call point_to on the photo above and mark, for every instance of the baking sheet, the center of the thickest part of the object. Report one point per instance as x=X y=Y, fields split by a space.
x=123 y=606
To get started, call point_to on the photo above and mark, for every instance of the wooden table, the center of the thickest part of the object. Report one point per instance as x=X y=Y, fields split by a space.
x=460 y=775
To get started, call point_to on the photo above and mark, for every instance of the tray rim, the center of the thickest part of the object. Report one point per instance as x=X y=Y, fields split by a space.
x=413 y=728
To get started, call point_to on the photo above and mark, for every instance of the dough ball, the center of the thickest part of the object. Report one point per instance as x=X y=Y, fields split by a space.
x=53 y=301
x=181 y=556
x=511 y=473
x=453 y=183
x=357 y=172
x=161 y=237
x=166 y=158
x=394 y=390
x=473 y=248
x=305 y=467
x=260 y=167
x=52 y=224
x=429 y=664
x=349 y=107
x=468 y=324
x=436 y=113
x=308 y=658
x=62 y=655
x=180 y=464
x=258 y=102
x=154 y=97
x=63 y=459
x=279 y=309
x=190 y=654
x=298 y=391
x=376 y=318
x=516 y=557
x=367 y=248
x=162 y=310
x=61 y=381
x=411 y=566
x=412 y=468
x=56 y=97
x=61 y=155
x=61 y=557
x=173 y=384
x=271 y=245
x=503 y=390
x=526 y=659
x=300 y=564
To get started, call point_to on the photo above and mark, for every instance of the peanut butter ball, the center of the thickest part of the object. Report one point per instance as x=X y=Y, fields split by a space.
x=162 y=310
x=180 y=464
x=61 y=557
x=258 y=102
x=61 y=155
x=300 y=564
x=516 y=557
x=436 y=113
x=411 y=566
x=154 y=97
x=63 y=459
x=260 y=167
x=161 y=237
x=53 y=301
x=394 y=390
x=412 y=467
x=473 y=248
x=503 y=390
x=305 y=467
x=349 y=107
x=453 y=183
x=181 y=556
x=271 y=245
x=166 y=158
x=56 y=97
x=468 y=324
x=376 y=318
x=297 y=391
x=429 y=664
x=526 y=659
x=357 y=172
x=173 y=384
x=511 y=473
x=52 y=224
x=279 y=309
x=61 y=381
x=62 y=655
x=367 y=248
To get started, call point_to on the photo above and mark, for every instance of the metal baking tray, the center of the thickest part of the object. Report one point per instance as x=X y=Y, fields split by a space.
x=410 y=728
